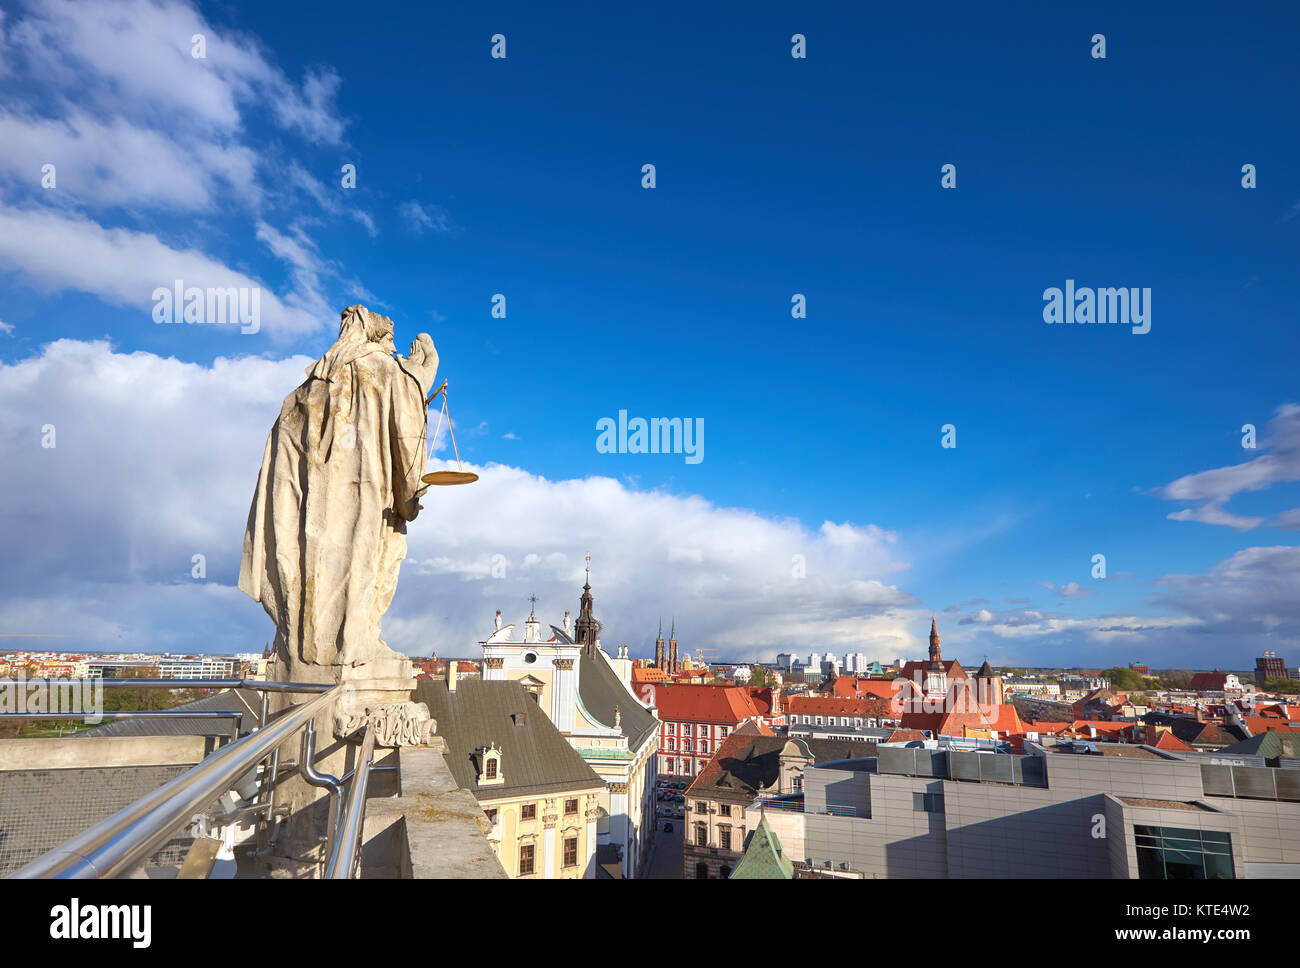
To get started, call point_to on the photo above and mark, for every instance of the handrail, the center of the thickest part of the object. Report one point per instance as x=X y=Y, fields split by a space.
x=343 y=857
x=118 y=844
x=259 y=685
x=307 y=769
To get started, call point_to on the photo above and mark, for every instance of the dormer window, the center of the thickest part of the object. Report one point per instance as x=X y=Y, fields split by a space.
x=489 y=765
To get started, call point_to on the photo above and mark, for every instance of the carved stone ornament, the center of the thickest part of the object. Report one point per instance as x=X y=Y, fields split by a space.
x=395 y=723
x=618 y=788
x=495 y=663
x=565 y=664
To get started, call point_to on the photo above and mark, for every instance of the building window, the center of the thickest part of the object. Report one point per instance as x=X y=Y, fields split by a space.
x=701 y=834
x=672 y=727
x=492 y=768
x=704 y=747
x=724 y=837
x=724 y=872
x=672 y=745
x=704 y=731
x=819 y=720
x=724 y=732
x=570 y=851
x=702 y=872
x=571 y=807
x=528 y=811
x=724 y=810
x=701 y=806
x=525 y=859
x=686 y=729
x=491 y=815
x=1177 y=853
x=686 y=746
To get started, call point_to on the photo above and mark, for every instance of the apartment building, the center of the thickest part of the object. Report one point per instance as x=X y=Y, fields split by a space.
x=1077 y=810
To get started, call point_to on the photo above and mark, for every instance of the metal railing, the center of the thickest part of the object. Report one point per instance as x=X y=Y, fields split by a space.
x=117 y=845
x=343 y=856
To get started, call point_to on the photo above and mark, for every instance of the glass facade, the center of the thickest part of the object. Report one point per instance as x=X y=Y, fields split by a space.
x=1179 y=853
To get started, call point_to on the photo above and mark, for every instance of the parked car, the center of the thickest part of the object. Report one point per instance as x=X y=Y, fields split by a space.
x=668 y=828
x=679 y=799
x=681 y=786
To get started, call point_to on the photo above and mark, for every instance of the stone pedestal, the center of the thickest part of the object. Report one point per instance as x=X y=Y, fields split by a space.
x=378 y=693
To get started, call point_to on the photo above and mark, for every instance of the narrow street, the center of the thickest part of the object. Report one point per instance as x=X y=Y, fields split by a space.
x=666 y=859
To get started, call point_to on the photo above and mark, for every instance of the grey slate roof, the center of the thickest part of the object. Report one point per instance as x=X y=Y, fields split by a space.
x=245 y=701
x=535 y=756
x=746 y=765
x=1271 y=745
x=600 y=690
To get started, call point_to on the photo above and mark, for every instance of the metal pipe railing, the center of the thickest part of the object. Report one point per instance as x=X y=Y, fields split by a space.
x=120 y=843
x=307 y=769
x=259 y=685
x=342 y=861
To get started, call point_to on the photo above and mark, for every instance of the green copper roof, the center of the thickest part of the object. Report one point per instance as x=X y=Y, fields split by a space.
x=763 y=859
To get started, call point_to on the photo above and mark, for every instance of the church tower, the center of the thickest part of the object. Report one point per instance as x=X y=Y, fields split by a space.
x=988 y=685
x=659 y=647
x=936 y=678
x=586 y=628
x=672 y=649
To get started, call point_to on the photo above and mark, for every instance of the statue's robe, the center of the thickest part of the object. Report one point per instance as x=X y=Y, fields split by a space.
x=327 y=529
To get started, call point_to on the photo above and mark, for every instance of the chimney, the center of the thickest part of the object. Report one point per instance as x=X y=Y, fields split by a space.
x=1092 y=732
x=451 y=675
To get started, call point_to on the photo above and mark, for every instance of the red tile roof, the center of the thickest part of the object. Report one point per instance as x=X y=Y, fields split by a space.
x=762 y=698
x=916 y=669
x=1168 y=741
x=831 y=706
x=679 y=702
x=1258 y=724
x=849 y=687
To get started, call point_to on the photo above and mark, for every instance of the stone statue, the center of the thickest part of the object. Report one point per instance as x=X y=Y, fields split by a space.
x=340 y=479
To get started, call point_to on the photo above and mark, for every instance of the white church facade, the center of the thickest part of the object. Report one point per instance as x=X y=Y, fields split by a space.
x=588 y=696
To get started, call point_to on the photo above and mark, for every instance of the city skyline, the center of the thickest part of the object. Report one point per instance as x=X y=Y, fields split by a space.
x=826 y=512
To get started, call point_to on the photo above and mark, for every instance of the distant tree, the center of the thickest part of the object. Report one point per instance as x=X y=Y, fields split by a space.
x=1123 y=678
x=1281 y=684
x=758 y=676
x=1178 y=678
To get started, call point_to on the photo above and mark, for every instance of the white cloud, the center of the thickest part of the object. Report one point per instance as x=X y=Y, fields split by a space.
x=156 y=461
x=421 y=219
x=123 y=267
x=1216 y=487
x=6 y=328
x=110 y=94
x=138 y=53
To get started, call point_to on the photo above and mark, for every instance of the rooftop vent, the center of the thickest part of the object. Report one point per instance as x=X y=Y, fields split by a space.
x=519 y=719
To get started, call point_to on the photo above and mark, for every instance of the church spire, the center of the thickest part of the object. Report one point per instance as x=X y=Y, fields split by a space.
x=935 y=655
x=659 y=645
x=585 y=628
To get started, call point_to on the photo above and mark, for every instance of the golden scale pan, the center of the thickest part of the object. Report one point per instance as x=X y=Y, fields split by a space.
x=444 y=478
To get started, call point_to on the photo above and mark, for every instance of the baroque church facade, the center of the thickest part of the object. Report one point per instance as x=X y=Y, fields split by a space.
x=588 y=696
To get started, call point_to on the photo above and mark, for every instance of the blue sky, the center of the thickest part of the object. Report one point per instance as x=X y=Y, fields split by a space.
x=775 y=176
